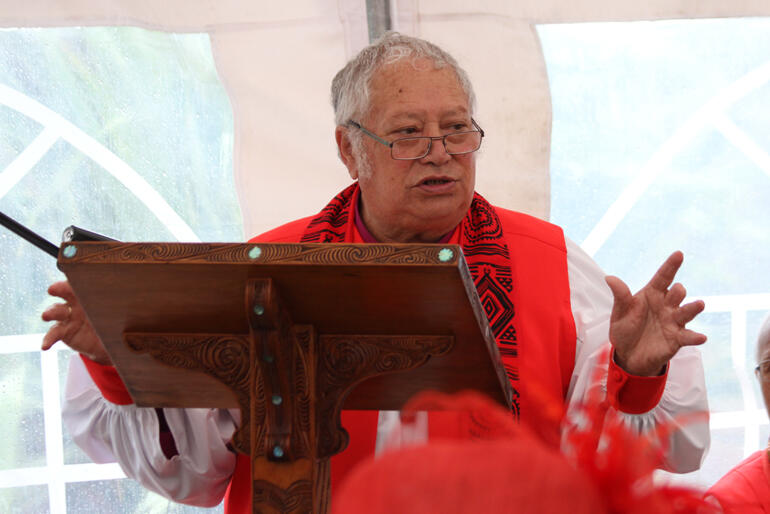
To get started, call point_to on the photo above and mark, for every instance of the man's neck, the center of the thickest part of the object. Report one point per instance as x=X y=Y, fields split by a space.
x=368 y=237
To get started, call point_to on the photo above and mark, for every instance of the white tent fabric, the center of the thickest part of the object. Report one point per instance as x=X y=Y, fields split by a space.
x=277 y=61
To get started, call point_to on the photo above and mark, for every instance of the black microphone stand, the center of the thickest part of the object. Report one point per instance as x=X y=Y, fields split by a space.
x=71 y=233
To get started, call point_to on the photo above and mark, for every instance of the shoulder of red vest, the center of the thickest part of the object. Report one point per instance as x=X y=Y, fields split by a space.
x=290 y=232
x=517 y=224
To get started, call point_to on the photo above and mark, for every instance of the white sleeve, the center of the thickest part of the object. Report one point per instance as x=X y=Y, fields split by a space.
x=685 y=390
x=129 y=435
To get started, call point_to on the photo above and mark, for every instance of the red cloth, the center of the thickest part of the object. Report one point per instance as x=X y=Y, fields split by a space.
x=108 y=381
x=455 y=476
x=633 y=394
x=496 y=465
x=745 y=489
x=501 y=466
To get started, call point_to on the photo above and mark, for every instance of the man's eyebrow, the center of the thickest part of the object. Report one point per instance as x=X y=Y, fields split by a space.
x=405 y=115
x=456 y=112
x=412 y=115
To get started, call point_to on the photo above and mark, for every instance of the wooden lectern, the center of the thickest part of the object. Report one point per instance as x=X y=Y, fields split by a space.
x=289 y=333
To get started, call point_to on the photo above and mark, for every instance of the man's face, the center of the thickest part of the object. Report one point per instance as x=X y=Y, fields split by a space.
x=763 y=354
x=423 y=199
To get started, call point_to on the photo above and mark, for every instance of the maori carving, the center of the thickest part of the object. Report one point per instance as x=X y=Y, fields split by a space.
x=160 y=252
x=273 y=253
x=224 y=357
x=286 y=362
x=323 y=489
x=346 y=360
x=285 y=381
x=341 y=253
x=303 y=390
x=296 y=498
x=258 y=414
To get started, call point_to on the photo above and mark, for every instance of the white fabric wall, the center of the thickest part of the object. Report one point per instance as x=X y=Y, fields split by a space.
x=277 y=61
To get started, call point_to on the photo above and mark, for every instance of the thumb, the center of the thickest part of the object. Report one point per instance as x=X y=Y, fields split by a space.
x=620 y=292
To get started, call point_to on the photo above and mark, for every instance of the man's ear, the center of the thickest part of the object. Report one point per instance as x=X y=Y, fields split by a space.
x=345 y=149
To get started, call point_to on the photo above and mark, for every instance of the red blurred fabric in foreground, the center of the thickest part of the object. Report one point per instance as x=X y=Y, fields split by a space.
x=492 y=464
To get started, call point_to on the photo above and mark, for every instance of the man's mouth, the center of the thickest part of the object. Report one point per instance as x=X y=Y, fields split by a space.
x=437 y=185
x=435 y=181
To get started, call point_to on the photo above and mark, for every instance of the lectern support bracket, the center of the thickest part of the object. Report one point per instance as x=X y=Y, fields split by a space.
x=291 y=384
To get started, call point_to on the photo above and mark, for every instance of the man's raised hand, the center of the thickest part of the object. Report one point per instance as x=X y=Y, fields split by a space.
x=648 y=328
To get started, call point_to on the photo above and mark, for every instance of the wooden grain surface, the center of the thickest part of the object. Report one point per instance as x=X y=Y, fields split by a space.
x=340 y=289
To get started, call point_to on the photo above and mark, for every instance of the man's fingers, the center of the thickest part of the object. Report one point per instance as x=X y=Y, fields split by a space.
x=666 y=273
x=675 y=295
x=62 y=290
x=619 y=289
x=54 y=334
x=57 y=312
x=688 y=312
x=691 y=338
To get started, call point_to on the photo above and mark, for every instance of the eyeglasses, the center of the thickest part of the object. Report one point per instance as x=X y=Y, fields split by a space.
x=410 y=148
x=763 y=370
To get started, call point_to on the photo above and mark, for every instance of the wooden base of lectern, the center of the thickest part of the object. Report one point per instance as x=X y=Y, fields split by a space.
x=291 y=386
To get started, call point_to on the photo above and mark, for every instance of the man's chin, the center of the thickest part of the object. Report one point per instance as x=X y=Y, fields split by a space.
x=438 y=219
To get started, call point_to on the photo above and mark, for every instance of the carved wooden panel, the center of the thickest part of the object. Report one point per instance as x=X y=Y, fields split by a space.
x=304 y=390
x=346 y=360
x=275 y=253
x=344 y=254
x=298 y=497
x=224 y=357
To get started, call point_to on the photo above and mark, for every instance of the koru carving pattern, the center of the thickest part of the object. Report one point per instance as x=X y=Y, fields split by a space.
x=298 y=497
x=160 y=252
x=346 y=360
x=354 y=254
x=224 y=357
x=273 y=253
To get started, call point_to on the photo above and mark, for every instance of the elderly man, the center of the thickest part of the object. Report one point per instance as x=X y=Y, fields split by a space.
x=406 y=133
x=745 y=489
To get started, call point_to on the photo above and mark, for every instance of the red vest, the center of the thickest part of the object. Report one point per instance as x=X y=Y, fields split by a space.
x=545 y=331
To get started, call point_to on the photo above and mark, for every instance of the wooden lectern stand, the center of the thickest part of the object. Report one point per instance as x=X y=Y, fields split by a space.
x=289 y=333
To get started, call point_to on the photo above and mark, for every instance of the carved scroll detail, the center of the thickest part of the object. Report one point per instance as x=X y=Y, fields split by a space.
x=286 y=253
x=258 y=410
x=296 y=498
x=161 y=252
x=352 y=254
x=224 y=357
x=346 y=360
x=303 y=390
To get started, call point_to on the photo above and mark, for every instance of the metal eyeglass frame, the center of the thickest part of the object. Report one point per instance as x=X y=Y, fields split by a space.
x=430 y=139
x=758 y=369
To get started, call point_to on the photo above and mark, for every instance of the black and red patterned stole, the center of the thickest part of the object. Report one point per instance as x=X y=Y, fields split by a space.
x=487 y=255
x=330 y=226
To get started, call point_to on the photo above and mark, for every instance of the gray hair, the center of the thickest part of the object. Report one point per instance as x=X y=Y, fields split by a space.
x=350 y=87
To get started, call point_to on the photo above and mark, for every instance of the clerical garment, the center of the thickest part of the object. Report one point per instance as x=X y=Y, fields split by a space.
x=549 y=310
x=745 y=489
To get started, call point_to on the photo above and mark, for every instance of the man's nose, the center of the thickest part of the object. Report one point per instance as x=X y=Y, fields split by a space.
x=437 y=153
